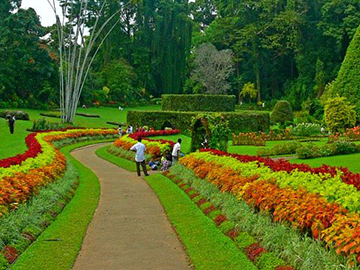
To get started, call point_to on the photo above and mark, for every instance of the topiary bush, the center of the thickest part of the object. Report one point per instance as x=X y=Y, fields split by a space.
x=282 y=112
x=199 y=103
x=347 y=83
x=19 y=115
x=339 y=114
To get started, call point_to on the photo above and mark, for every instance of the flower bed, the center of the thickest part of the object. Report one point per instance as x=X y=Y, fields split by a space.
x=34 y=148
x=260 y=138
x=21 y=181
x=245 y=242
x=155 y=148
x=284 y=165
x=324 y=209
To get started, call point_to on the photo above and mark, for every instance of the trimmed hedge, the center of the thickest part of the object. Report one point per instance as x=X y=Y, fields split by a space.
x=19 y=115
x=238 y=121
x=198 y=103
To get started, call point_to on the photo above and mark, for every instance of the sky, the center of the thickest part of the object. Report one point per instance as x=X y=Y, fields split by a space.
x=43 y=9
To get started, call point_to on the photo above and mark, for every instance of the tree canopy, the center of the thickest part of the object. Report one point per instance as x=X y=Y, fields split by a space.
x=287 y=49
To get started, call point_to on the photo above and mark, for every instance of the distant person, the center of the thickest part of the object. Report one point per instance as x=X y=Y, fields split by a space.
x=130 y=129
x=11 y=121
x=120 y=131
x=176 y=151
x=140 y=148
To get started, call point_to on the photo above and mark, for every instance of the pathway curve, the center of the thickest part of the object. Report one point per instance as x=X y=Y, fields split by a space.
x=130 y=229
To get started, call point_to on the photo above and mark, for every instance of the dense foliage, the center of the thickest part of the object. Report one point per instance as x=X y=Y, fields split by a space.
x=339 y=114
x=347 y=83
x=285 y=49
x=238 y=121
x=282 y=112
x=194 y=103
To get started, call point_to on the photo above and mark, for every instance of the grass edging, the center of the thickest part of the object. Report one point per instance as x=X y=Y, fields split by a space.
x=206 y=246
x=58 y=246
x=118 y=161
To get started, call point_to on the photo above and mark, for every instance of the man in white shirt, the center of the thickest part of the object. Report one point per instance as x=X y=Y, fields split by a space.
x=140 y=148
x=176 y=151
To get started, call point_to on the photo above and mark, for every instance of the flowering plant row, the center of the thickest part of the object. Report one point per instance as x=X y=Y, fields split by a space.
x=153 y=147
x=19 y=182
x=47 y=153
x=245 y=242
x=331 y=188
x=310 y=212
x=284 y=165
x=34 y=148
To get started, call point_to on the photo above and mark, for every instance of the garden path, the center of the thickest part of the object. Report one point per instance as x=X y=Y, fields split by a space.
x=130 y=229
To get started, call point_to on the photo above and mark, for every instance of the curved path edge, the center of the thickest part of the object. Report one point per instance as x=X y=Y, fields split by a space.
x=130 y=229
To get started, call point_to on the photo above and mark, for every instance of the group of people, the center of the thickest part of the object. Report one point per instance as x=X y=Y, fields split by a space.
x=130 y=130
x=166 y=162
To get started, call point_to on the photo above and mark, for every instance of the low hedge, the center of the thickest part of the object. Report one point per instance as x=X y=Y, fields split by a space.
x=238 y=121
x=199 y=103
x=19 y=115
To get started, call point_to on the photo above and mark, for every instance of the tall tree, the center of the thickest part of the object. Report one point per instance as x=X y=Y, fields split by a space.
x=213 y=68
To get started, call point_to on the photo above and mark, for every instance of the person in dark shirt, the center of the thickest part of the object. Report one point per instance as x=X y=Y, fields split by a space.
x=11 y=121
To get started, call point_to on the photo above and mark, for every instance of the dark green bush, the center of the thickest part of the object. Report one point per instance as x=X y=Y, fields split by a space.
x=337 y=148
x=19 y=115
x=199 y=103
x=42 y=124
x=280 y=149
x=347 y=83
x=282 y=112
x=238 y=121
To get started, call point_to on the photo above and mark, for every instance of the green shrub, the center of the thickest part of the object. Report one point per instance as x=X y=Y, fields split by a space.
x=344 y=147
x=280 y=149
x=19 y=115
x=226 y=226
x=42 y=124
x=282 y=112
x=337 y=148
x=244 y=240
x=339 y=114
x=51 y=114
x=306 y=130
x=269 y=261
x=238 y=121
x=199 y=103
x=3 y=262
x=347 y=84
x=308 y=151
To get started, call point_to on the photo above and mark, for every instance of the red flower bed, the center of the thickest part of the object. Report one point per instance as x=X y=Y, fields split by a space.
x=34 y=148
x=284 y=165
x=136 y=135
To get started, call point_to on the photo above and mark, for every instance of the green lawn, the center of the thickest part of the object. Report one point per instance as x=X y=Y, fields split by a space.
x=121 y=162
x=352 y=162
x=11 y=145
x=206 y=245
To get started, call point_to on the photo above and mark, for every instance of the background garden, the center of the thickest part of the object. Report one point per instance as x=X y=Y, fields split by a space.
x=265 y=96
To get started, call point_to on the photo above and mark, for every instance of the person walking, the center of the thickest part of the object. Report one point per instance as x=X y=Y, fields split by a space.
x=176 y=151
x=140 y=148
x=11 y=121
